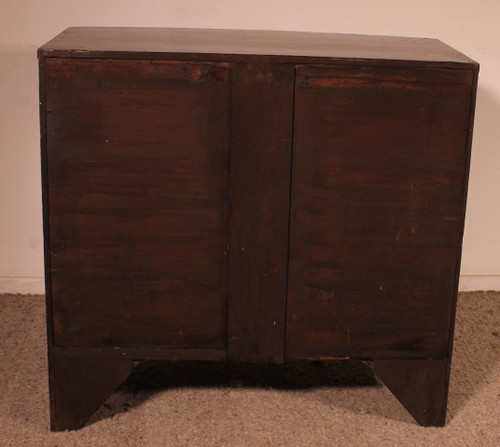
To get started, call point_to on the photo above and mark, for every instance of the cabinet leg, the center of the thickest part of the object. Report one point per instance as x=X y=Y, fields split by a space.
x=80 y=382
x=420 y=385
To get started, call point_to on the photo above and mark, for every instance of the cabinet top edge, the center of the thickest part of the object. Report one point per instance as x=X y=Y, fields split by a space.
x=130 y=42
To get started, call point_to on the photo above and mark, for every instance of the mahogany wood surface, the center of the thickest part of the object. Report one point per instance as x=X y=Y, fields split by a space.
x=262 y=117
x=376 y=209
x=148 y=42
x=138 y=172
x=420 y=385
x=80 y=383
x=251 y=196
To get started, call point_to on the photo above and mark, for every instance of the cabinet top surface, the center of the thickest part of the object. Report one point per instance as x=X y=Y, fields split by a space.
x=123 y=42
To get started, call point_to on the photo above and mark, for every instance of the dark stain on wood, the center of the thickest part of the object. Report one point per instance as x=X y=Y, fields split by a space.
x=251 y=196
x=260 y=178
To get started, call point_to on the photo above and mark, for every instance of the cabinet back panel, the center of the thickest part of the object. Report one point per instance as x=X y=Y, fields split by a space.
x=262 y=118
x=138 y=172
x=378 y=180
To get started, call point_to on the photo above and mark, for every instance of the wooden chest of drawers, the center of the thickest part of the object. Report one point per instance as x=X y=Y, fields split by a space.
x=253 y=197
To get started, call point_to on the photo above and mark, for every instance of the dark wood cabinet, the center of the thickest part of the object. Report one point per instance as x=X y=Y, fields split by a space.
x=253 y=197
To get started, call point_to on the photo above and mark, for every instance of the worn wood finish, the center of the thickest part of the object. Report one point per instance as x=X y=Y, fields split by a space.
x=251 y=196
x=80 y=383
x=464 y=203
x=420 y=385
x=376 y=209
x=138 y=172
x=260 y=186
x=147 y=352
x=46 y=242
x=156 y=42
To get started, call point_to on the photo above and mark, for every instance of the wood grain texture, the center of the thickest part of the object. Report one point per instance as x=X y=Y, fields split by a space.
x=420 y=385
x=46 y=237
x=255 y=196
x=147 y=352
x=260 y=186
x=151 y=42
x=378 y=182
x=138 y=169
x=80 y=383
x=464 y=203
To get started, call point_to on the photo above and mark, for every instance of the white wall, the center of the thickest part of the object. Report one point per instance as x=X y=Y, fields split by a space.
x=470 y=26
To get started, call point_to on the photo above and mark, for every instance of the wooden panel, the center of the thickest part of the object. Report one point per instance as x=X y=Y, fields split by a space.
x=420 y=385
x=260 y=189
x=378 y=184
x=138 y=177
x=147 y=352
x=80 y=382
x=150 y=42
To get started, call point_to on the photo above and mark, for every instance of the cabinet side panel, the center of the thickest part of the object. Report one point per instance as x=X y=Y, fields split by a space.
x=138 y=172
x=46 y=233
x=379 y=164
x=260 y=191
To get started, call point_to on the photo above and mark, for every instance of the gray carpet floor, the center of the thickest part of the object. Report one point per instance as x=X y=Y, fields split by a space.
x=207 y=405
